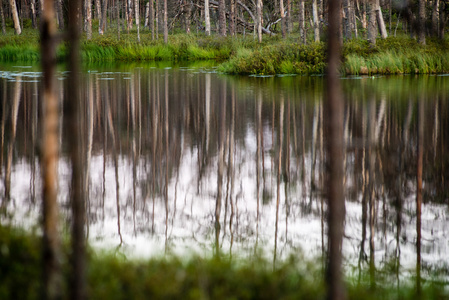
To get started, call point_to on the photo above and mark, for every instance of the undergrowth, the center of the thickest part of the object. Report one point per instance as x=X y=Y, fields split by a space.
x=244 y=55
x=112 y=276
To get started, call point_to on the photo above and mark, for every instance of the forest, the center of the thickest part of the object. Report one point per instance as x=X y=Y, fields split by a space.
x=259 y=153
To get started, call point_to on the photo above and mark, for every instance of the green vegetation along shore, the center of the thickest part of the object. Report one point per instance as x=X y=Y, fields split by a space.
x=113 y=276
x=244 y=55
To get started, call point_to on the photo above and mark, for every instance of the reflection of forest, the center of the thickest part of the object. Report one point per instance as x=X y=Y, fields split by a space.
x=194 y=157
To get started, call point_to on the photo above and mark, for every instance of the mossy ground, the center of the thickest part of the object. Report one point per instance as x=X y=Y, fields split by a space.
x=243 y=54
x=113 y=276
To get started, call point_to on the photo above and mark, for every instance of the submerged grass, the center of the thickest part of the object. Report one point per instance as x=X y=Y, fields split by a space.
x=112 y=276
x=244 y=55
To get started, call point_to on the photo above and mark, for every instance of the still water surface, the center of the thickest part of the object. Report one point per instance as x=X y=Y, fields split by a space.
x=181 y=159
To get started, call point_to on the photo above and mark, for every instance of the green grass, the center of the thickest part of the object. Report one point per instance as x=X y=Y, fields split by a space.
x=244 y=55
x=112 y=276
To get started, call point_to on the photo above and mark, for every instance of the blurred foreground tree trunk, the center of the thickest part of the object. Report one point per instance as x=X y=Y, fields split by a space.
x=335 y=147
x=73 y=104
x=15 y=17
x=52 y=286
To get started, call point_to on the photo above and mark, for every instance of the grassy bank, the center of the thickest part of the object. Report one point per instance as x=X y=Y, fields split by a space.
x=112 y=276
x=243 y=55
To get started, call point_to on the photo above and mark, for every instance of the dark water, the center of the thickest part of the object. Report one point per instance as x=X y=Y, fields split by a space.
x=180 y=159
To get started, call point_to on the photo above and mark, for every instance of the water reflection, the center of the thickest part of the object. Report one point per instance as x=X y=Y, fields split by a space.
x=182 y=159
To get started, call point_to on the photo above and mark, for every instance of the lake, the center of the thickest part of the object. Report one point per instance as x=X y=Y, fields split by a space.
x=182 y=160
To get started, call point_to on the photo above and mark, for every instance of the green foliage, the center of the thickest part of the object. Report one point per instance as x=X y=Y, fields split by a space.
x=112 y=276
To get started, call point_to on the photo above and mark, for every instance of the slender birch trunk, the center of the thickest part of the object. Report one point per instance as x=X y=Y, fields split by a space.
x=137 y=14
x=206 y=16
x=15 y=17
x=259 y=19
x=302 y=22
x=316 y=24
x=88 y=19
x=151 y=18
x=422 y=22
x=283 y=23
x=52 y=286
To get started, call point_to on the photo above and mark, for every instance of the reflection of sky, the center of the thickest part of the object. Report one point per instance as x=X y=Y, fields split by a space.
x=191 y=214
x=191 y=206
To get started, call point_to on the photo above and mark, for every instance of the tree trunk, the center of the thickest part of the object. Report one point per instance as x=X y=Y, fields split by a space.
x=15 y=17
x=52 y=286
x=73 y=107
x=222 y=17
x=380 y=21
x=151 y=18
x=104 y=18
x=147 y=15
x=60 y=14
x=422 y=22
x=137 y=14
x=347 y=29
x=289 y=17
x=435 y=17
x=33 y=12
x=88 y=19
x=283 y=23
x=335 y=148
x=156 y=14
x=372 y=23
x=2 y=15
x=207 y=16
x=117 y=7
x=165 y=22
x=98 y=10
x=232 y=19
x=259 y=20
x=130 y=15
x=302 y=23
x=187 y=13
x=316 y=24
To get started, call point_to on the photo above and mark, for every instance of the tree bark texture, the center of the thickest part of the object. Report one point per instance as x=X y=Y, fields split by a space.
x=15 y=17
x=207 y=16
x=2 y=15
x=73 y=104
x=52 y=277
x=222 y=17
x=335 y=154
x=165 y=22
x=259 y=20
x=316 y=24
x=372 y=22
x=422 y=22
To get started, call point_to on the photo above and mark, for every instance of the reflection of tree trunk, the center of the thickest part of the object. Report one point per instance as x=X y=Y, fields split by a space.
x=419 y=172
x=14 y=113
x=90 y=134
x=220 y=158
x=5 y=94
x=371 y=178
x=51 y=243
x=167 y=155
x=335 y=192
x=279 y=171
x=258 y=155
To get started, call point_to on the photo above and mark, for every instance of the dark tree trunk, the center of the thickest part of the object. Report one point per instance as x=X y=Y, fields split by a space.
x=73 y=105
x=335 y=147
x=422 y=22
x=222 y=17
x=2 y=15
